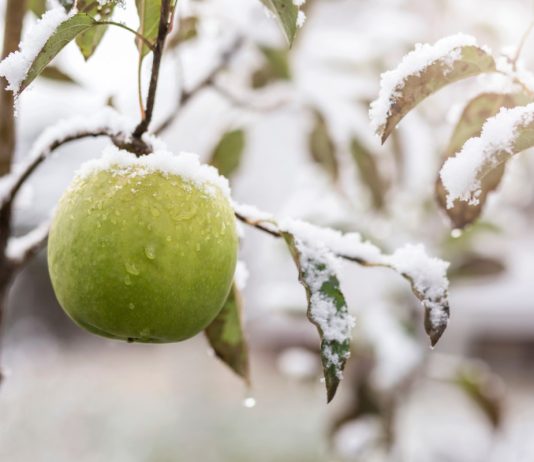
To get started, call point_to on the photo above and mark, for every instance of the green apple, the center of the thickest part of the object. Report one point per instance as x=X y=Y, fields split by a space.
x=142 y=253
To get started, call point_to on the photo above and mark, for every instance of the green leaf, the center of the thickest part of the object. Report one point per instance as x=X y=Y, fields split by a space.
x=321 y=146
x=226 y=337
x=228 y=153
x=89 y=40
x=187 y=30
x=369 y=173
x=65 y=33
x=472 y=60
x=37 y=7
x=54 y=73
x=149 y=12
x=276 y=67
x=327 y=308
x=473 y=117
x=286 y=12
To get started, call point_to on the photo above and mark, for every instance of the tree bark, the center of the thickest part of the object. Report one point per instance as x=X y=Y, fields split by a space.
x=14 y=16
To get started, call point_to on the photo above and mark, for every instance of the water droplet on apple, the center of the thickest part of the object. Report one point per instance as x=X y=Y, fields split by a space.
x=128 y=280
x=132 y=268
x=131 y=306
x=150 y=251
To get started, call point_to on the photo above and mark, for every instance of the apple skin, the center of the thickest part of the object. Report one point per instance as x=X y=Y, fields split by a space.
x=142 y=257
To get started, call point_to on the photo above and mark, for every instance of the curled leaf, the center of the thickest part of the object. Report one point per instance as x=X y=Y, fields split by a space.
x=423 y=72
x=226 y=337
x=473 y=117
x=275 y=67
x=327 y=308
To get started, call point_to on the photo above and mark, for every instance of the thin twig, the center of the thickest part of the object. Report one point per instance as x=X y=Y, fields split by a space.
x=186 y=95
x=125 y=27
x=156 y=64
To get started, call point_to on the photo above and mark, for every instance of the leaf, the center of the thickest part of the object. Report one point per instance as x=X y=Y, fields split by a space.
x=228 y=153
x=508 y=133
x=275 y=67
x=477 y=266
x=369 y=173
x=485 y=389
x=187 y=30
x=286 y=12
x=37 y=7
x=89 y=40
x=472 y=60
x=226 y=337
x=327 y=308
x=473 y=117
x=149 y=12
x=321 y=146
x=65 y=33
x=54 y=73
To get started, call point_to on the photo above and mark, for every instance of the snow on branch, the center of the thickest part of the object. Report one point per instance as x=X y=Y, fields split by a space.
x=104 y=123
x=21 y=249
x=509 y=132
x=427 y=275
x=422 y=72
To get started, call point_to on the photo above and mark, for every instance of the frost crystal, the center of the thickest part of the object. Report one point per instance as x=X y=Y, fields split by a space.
x=446 y=50
x=461 y=174
x=15 y=67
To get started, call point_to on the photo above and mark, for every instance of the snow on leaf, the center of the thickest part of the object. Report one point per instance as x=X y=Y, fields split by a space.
x=50 y=35
x=507 y=133
x=89 y=40
x=327 y=308
x=475 y=113
x=287 y=13
x=428 y=278
x=421 y=73
x=226 y=337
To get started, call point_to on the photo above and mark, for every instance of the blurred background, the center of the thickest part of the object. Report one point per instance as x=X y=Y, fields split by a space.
x=309 y=153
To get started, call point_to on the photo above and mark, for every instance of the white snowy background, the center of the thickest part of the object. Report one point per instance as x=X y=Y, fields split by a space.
x=71 y=396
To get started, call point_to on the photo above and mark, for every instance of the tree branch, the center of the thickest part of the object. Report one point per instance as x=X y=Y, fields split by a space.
x=186 y=95
x=14 y=16
x=156 y=64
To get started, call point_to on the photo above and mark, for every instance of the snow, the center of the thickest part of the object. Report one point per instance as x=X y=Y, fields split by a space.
x=105 y=121
x=461 y=174
x=17 y=247
x=15 y=67
x=252 y=212
x=446 y=51
x=185 y=165
x=301 y=19
x=319 y=265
